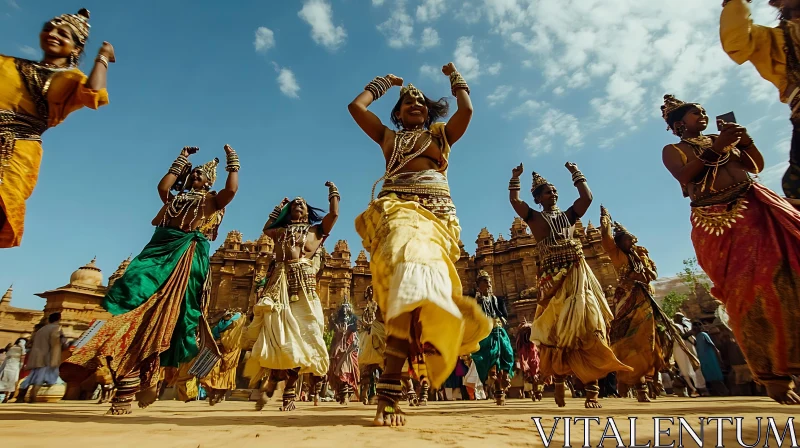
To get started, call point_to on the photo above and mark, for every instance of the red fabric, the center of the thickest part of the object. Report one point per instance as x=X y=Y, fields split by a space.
x=755 y=269
x=527 y=351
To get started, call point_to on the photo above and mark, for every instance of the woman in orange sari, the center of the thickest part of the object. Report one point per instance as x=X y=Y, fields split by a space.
x=747 y=240
x=35 y=96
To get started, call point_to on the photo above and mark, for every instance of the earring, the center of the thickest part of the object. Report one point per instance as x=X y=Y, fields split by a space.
x=73 y=58
x=679 y=129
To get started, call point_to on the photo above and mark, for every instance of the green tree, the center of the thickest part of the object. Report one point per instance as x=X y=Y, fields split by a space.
x=328 y=337
x=672 y=303
x=692 y=276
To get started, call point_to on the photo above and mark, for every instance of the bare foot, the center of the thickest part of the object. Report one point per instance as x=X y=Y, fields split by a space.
x=642 y=397
x=288 y=405
x=119 y=409
x=389 y=414
x=787 y=397
x=146 y=397
x=592 y=403
x=559 y=395
x=501 y=400
x=262 y=401
x=316 y=400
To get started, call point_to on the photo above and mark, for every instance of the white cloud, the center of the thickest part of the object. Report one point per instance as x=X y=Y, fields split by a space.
x=495 y=68
x=430 y=38
x=377 y=2
x=265 y=39
x=431 y=72
x=529 y=107
x=468 y=13
x=772 y=176
x=319 y=14
x=430 y=10
x=559 y=91
x=13 y=4
x=399 y=27
x=29 y=51
x=554 y=125
x=287 y=82
x=499 y=95
x=466 y=60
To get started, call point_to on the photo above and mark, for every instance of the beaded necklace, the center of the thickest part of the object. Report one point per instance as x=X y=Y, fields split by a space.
x=403 y=152
x=293 y=234
x=182 y=204
x=560 y=229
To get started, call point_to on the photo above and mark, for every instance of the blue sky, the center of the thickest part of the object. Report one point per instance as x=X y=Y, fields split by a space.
x=577 y=80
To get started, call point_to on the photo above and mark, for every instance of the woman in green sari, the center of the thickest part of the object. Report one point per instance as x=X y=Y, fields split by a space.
x=158 y=303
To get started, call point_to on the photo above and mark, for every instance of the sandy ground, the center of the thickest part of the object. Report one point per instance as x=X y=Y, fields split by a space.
x=454 y=424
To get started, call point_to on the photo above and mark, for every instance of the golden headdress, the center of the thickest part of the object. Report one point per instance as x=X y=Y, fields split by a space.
x=210 y=170
x=538 y=181
x=671 y=104
x=620 y=230
x=79 y=23
x=483 y=274
x=413 y=91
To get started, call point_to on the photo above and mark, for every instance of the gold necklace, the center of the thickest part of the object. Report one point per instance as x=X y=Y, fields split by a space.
x=403 y=152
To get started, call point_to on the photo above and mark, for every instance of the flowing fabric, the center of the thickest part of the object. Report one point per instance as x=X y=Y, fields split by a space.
x=709 y=363
x=371 y=344
x=755 y=269
x=412 y=259
x=185 y=383
x=288 y=334
x=9 y=369
x=63 y=94
x=570 y=330
x=495 y=350
x=344 y=360
x=223 y=375
x=157 y=311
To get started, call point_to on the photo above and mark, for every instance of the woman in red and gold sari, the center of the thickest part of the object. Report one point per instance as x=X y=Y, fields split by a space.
x=36 y=96
x=747 y=240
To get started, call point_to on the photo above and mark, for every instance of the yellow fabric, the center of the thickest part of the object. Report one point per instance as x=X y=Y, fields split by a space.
x=186 y=383
x=65 y=95
x=571 y=329
x=413 y=254
x=761 y=45
x=223 y=375
x=371 y=345
x=287 y=334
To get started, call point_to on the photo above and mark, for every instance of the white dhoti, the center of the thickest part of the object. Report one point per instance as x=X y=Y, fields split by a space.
x=687 y=369
x=288 y=328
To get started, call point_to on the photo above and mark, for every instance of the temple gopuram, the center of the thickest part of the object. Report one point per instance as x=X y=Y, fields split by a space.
x=238 y=265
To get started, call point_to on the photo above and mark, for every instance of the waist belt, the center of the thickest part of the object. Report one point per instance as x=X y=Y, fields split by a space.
x=13 y=127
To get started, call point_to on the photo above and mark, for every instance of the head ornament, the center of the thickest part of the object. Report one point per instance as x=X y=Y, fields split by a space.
x=79 y=23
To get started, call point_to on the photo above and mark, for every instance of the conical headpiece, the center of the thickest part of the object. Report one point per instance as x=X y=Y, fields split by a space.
x=671 y=104
x=79 y=23
x=620 y=230
x=538 y=181
x=210 y=170
x=411 y=90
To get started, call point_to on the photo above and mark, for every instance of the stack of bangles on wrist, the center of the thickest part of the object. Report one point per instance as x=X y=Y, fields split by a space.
x=275 y=213
x=578 y=177
x=333 y=193
x=178 y=165
x=457 y=83
x=103 y=59
x=378 y=87
x=233 y=162
x=513 y=184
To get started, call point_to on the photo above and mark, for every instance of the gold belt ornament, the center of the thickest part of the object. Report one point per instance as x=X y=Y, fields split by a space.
x=13 y=127
x=715 y=219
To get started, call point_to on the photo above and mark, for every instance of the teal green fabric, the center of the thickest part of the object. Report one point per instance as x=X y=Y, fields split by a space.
x=148 y=272
x=223 y=325
x=495 y=350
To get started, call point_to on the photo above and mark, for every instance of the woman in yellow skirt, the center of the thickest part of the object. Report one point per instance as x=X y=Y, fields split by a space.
x=412 y=234
x=35 y=96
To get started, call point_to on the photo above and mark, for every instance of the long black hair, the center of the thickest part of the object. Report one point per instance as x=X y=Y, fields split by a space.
x=436 y=110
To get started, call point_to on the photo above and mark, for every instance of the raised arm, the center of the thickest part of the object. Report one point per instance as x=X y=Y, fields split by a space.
x=518 y=204
x=333 y=212
x=458 y=123
x=607 y=235
x=742 y=40
x=273 y=216
x=581 y=205
x=366 y=120
x=225 y=196
x=99 y=75
x=177 y=168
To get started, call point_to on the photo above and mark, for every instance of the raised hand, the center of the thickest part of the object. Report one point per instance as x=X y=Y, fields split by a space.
x=189 y=150
x=729 y=134
x=449 y=69
x=604 y=212
x=107 y=50
x=516 y=172
x=571 y=167
x=330 y=184
x=228 y=149
x=395 y=80
x=284 y=202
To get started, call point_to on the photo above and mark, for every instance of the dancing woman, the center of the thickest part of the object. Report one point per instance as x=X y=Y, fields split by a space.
x=412 y=234
x=572 y=315
x=775 y=53
x=747 y=240
x=289 y=324
x=158 y=303
x=35 y=96
x=634 y=333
